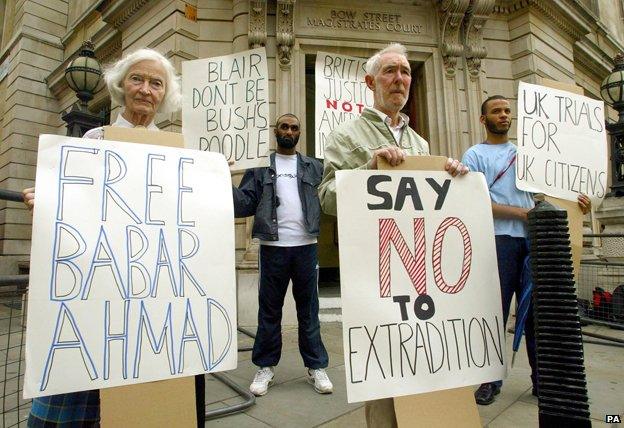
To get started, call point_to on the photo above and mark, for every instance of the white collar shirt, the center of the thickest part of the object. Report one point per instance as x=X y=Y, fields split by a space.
x=397 y=131
x=123 y=123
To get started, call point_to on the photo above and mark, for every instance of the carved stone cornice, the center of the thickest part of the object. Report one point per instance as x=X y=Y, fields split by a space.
x=285 y=32
x=257 y=32
x=593 y=59
x=111 y=50
x=566 y=15
x=119 y=13
x=450 y=17
x=609 y=44
x=477 y=14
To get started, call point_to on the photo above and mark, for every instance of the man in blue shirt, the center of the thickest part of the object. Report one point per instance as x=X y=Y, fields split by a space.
x=496 y=158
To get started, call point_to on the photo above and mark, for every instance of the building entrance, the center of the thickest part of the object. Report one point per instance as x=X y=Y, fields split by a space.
x=415 y=109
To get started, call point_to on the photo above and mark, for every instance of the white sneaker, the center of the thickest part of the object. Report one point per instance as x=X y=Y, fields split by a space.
x=320 y=380
x=262 y=381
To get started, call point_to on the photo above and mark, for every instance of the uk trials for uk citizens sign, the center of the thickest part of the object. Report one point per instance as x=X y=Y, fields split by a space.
x=226 y=107
x=132 y=259
x=562 y=149
x=419 y=282
x=341 y=94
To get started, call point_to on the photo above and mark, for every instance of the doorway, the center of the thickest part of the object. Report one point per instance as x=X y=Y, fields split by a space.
x=415 y=109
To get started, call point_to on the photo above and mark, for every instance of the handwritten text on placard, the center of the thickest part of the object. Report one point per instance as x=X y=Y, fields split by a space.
x=424 y=269
x=226 y=107
x=341 y=94
x=562 y=147
x=132 y=275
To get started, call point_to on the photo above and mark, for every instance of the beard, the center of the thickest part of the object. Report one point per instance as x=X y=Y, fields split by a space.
x=494 y=128
x=286 y=142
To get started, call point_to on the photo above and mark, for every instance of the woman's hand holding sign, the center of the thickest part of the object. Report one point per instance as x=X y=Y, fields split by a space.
x=29 y=198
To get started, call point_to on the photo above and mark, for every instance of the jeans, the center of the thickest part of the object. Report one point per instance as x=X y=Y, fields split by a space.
x=510 y=252
x=278 y=265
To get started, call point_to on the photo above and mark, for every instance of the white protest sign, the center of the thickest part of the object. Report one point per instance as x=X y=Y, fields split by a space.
x=562 y=148
x=226 y=107
x=132 y=260
x=341 y=94
x=421 y=303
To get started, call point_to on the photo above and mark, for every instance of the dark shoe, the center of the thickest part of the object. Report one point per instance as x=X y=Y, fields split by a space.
x=486 y=393
x=534 y=392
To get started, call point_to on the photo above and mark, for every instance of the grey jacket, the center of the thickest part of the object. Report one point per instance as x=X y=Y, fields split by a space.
x=256 y=196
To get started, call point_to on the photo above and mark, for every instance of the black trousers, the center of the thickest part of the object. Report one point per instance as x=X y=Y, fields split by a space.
x=279 y=265
x=510 y=252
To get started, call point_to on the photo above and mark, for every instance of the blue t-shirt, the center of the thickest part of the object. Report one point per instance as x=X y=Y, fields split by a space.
x=491 y=159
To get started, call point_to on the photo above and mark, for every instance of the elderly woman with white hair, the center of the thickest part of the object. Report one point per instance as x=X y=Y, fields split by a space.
x=144 y=83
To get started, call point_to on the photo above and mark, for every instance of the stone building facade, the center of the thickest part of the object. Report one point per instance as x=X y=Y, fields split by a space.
x=461 y=51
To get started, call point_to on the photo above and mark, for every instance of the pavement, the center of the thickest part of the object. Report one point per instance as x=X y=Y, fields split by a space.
x=292 y=402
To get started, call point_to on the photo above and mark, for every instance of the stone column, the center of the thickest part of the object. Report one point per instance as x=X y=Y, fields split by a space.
x=450 y=18
x=529 y=27
x=474 y=78
x=27 y=109
x=250 y=17
x=285 y=38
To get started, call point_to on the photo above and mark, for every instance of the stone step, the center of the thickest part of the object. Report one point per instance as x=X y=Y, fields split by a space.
x=329 y=302
x=330 y=315
x=330 y=309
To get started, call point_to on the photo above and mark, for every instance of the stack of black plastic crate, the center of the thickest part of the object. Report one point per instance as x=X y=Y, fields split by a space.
x=562 y=389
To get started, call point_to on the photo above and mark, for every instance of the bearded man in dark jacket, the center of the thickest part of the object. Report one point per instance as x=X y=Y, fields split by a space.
x=284 y=201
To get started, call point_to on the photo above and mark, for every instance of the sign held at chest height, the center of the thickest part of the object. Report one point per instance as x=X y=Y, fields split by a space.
x=133 y=268
x=562 y=148
x=424 y=269
x=226 y=107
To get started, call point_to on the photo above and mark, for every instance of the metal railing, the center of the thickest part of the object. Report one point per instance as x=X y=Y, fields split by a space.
x=15 y=410
x=12 y=340
x=600 y=289
x=13 y=294
x=13 y=290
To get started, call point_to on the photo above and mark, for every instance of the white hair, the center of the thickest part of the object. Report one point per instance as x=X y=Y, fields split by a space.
x=373 y=65
x=116 y=73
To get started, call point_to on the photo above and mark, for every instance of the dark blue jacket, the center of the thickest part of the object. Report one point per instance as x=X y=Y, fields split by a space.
x=256 y=196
